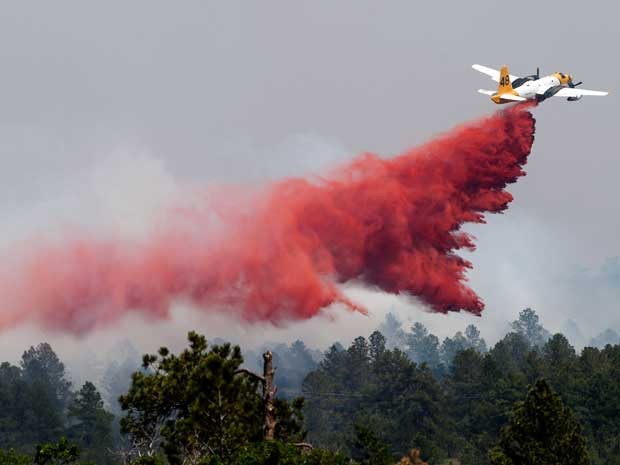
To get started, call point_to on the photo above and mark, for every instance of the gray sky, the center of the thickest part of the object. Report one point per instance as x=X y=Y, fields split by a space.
x=107 y=109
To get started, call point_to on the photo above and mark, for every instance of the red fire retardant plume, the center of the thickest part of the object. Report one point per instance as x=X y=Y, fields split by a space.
x=391 y=224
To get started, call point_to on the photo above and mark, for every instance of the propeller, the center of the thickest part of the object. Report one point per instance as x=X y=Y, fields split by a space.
x=537 y=73
x=571 y=84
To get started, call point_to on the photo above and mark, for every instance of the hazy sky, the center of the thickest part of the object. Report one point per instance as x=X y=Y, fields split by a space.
x=108 y=108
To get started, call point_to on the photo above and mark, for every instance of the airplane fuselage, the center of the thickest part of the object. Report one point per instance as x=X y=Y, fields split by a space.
x=540 y=89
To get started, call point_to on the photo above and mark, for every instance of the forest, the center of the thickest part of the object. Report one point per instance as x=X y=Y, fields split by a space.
x=398 y=396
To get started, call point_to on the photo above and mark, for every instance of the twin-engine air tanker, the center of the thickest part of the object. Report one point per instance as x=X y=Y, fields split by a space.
x=533 y=87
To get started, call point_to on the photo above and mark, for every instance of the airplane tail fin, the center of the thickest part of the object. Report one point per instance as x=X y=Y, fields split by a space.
x=504 y=87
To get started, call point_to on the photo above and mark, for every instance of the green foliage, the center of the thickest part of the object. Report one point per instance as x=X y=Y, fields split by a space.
x=38 y=407
x=423 y=347
x=193 y=404
x=482 y=389
x=280 y=453
x=529 y=327
x=375 y=400
x=293 y=364
x=373 y=386
x=60 y=453
x=13 y=458
x=92 y=427
x=157 y=459
x=452 y=346
x=370 y=449
x=199 y=404
x=30 y=411
x=290 y=418
x=41 y=366
x=474 y=341
x=595 y=398
x=541 y=431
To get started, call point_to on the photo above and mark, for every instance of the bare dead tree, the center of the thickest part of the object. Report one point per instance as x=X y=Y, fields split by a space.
x=269 y=394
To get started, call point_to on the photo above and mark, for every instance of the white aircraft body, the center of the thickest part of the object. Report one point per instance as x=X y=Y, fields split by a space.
x=518 y=89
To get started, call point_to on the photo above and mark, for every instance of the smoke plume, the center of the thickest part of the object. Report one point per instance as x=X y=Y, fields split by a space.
x=280 y=253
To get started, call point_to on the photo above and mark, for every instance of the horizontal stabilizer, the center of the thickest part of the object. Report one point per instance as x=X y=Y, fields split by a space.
x=486 y=92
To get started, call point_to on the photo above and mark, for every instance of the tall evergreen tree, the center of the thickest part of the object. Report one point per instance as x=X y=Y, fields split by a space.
x=40 y=365
x=451 y=346
x=423 y=347
x=541 y=431
x=29 y=411
x=369 y=449
x=377 y=345
x=474 y=341
x=529 y=327
x=92 y=427
x=391 y=328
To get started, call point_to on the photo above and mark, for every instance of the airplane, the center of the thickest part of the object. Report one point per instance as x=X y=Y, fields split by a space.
x=533 y=87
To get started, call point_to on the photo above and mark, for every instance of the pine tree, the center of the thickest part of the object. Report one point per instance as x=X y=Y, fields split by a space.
x=369 y=449
x=92 y=430
x=423 y=347
x=452 y=346
x=541 y=431
x=60 y=453
x=529 y=327
x=29 y=413
x=40 y=365
x=474 y=341
x=200 y=405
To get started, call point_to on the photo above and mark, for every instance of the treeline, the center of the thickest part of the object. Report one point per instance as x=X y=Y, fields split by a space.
x=400 y=394
x=38 y=405
x=453 y=405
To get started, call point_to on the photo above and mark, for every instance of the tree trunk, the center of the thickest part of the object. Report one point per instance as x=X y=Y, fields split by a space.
x=269 y=394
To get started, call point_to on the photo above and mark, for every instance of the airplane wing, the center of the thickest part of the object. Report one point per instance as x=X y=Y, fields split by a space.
x=492 y=73
x=575 y=92
x=515 y=98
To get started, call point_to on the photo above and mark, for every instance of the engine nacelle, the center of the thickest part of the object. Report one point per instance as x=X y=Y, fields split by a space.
x=551 y=91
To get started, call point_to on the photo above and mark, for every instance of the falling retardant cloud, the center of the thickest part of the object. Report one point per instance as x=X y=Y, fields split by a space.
x=282 y=252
